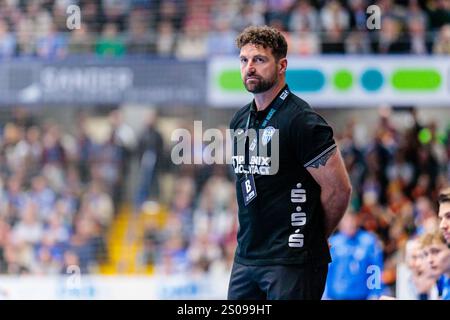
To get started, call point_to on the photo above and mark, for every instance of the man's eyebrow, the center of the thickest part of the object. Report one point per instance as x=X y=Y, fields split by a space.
x=255 y=56
x=443 y=214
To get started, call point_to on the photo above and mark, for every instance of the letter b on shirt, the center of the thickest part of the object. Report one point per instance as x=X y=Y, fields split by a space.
x=248 y=186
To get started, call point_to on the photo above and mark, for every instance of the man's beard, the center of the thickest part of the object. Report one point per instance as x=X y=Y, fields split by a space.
x=261 y=86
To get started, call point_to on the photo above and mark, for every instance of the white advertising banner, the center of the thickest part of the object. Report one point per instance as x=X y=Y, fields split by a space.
x=88 y=287
x=345 y=81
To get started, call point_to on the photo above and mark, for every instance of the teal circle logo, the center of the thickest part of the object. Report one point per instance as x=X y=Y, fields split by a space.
x=372 y=80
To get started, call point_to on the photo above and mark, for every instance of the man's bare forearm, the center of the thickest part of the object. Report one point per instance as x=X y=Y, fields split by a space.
x=330 y=173
x=334 y=204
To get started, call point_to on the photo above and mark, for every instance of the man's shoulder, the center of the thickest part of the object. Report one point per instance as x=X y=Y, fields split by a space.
x=302 y=112
x=298 y=104
x=239 y=115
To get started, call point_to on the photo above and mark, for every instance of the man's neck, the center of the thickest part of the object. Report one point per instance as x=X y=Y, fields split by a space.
x=263 y=99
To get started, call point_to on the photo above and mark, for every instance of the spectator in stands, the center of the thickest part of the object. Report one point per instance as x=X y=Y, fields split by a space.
x=389 y=38
x=5 y=230
x=29 y=229
x=356 y=255
x=278 y=10
x=415 y=12
x=98 y=205
x=115 y=12
x=444 y=214
x=304 y=17
x=220 y=40
x=437 y=256
x=334 y=17
x=172 y=12
x=81 y=40
x=122 y=145
x=333 y=41
x=251 y=13
x=43 y=196
x=165 y=43
x=417 y=37
x=357 y=42
x=7 y=41
x=16 y=199
x=93 y=15
x=438 y=13
x=392 y=9
x=192 y=43
x=139 y=39
x=415 y=280
x=358 y=16
x=442 y=43
x=150 y=151
x=110 y=44
x=81 y=244
x=305 y=43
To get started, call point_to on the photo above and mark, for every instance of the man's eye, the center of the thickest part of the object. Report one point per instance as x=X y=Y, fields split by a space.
x=243 y=60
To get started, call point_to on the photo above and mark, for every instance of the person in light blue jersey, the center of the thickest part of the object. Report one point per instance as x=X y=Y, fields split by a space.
x=355 y=273
x=444 y=226
x=437 y=256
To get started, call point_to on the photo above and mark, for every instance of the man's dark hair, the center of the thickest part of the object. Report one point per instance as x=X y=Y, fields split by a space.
x=444 y=195
x=265 y=36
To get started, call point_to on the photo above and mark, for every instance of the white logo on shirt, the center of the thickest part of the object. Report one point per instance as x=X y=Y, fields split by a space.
x=267 y=135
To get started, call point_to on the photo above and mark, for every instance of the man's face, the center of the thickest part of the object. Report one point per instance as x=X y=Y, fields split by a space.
x=444 y=215
x=259 y=68
x=438 y=258
x=420 y=266
x=413 y=255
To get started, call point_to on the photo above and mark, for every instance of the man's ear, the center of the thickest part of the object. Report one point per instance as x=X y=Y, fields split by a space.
x=282 y=65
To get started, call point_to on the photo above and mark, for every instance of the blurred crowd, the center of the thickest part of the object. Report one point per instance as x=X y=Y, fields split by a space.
x=60 y=190
x=396 y=176
x=397 y=179
x=196 y=29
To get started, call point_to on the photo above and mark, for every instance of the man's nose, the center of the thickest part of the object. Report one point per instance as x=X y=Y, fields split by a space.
x=250 y=66
x=443 y=225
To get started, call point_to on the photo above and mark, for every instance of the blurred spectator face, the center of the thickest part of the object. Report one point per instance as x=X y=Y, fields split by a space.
x=349 y=224
x=437 y=256
x=444 y=225
x=357 y=5
x=3 y=28
x=33 y=134
x=259 y=68
x=443 y=4
x=390 y=28
x=84 y=228
x=45 y=255
x=39 y=184
x=81 y=32
x=11 y=134
x=424 y=208
x=444 y=34
x=71 y=258
x=421 y=266
x=29 y=213
x=165 y=28
x=110 y=31
x=416 y=27
x=14 y=185
x=411 y=254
